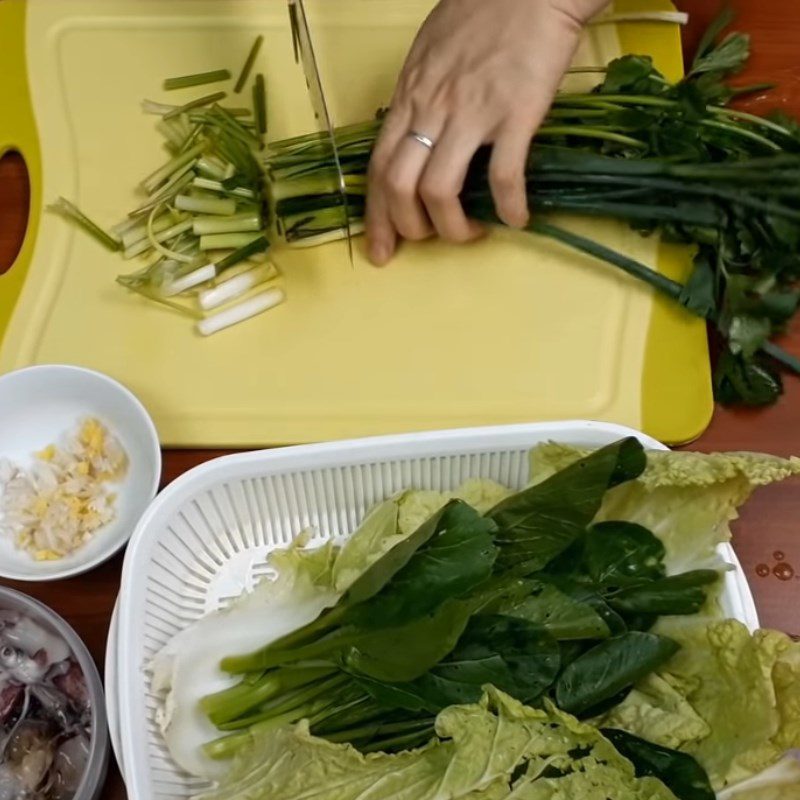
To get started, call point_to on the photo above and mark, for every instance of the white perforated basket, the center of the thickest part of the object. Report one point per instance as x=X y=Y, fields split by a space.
x=204 y=540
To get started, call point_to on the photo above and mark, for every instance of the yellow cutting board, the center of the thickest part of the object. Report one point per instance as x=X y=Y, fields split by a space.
x=511 y=329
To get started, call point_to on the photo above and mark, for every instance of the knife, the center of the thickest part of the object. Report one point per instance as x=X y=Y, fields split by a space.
x=304 y=52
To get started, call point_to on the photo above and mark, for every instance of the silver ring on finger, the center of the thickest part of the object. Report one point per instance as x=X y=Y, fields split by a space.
x=424 y=140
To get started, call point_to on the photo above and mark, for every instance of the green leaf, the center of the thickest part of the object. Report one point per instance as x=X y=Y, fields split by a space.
x=610 y=668
x=633 y=74
x=712 y=88
x=684 y=776
x=618 y=552
x=586 y=594
x=752 y=383
x=456 y=558
x=678 y=594
x=511 y=654
x=405 y=652
x=374 y=536
x=699 y=292
x=744 y=295
x=378 y=575
x=725 y=56
x=563 y=617
x=786 y=231
x=542 y=521
x=712 y=33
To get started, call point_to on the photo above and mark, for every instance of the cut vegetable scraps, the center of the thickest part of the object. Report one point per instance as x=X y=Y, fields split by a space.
x=201 y=218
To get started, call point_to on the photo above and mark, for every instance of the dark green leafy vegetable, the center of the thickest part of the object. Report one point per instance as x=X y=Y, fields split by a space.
x=684 y=776
x=405 y=652
x=678 y=594
x=456 y=559
x=516 y=656
x=616 y=553
x=609 y=668
x=563 y=617
x=582 y=591
x=541 y=522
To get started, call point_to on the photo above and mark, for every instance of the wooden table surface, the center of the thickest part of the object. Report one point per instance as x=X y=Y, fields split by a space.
x=767 y=537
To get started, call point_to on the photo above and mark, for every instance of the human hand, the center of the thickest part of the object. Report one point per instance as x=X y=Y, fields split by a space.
x=479 y=72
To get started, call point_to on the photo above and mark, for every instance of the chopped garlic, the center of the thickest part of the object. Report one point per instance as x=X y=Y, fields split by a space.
x=63 y=499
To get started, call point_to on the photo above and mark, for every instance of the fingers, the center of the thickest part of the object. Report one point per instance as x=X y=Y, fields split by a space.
x=381 y=233
x=443 y=179
x=402 y=181
x=507 y=166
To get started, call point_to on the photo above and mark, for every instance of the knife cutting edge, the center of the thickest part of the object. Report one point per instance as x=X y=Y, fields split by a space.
x=304 y=52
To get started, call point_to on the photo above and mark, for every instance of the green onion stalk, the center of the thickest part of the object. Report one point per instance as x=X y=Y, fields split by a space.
x=333 y=703
x=672 y=159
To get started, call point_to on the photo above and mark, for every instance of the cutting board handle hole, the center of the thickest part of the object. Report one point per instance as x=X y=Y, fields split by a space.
x=15 y=193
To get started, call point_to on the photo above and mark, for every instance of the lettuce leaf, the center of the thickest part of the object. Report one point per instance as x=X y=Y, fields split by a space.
x=746 y=688
x=497 y=748
x=656 y=707
x=419 y=505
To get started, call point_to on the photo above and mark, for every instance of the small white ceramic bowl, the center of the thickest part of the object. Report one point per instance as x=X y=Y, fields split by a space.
x=39 y=406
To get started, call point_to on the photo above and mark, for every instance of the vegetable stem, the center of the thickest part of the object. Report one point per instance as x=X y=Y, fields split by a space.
x=638 y=270
x=198 y=79
x=71 y=212
x=248 y=65
x=207 y=100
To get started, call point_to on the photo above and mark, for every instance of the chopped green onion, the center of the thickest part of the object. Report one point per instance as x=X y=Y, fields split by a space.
x=190 y=280
x=208 y=100
x=212 y=167
x=248 y=64
x=160 y=109
x=216 y=186
x=156 y=179
x=242 y=311
x=170 y=132
x=223 y=206
x=152 y=237
x=248 y=250
x=227 y=241
x=238 y=223
x=234 y=288
x=260 y=103
x=139 y=231
x=155 y=241
x=75 y=215
x=150 y=294
x=121 y=228
x=174 y=187
x=198 y=79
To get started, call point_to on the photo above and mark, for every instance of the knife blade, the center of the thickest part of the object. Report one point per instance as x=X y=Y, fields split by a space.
x=304 y=54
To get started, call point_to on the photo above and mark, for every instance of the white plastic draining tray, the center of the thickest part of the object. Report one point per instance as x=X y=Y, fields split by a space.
x=203 y=541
